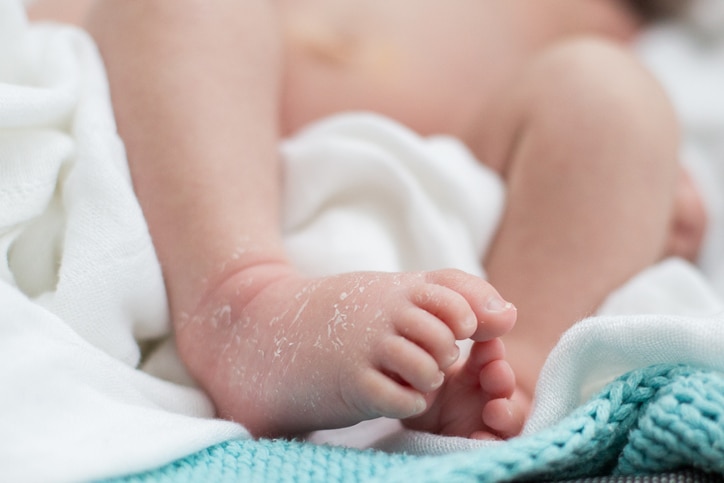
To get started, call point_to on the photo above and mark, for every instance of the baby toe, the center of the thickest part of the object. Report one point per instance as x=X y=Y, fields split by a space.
x=483 y=353
x=412 y=364
x=431 y=334
x=448 y=306
x=505 y=417
x=493 y=315
x=381 y=396
x=497 y=379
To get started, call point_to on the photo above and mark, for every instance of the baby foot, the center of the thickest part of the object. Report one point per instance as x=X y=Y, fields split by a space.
x=479 y=398
x=689 y=223
x=284 y=355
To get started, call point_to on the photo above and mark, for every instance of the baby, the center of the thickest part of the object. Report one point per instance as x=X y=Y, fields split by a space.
x=543 y=91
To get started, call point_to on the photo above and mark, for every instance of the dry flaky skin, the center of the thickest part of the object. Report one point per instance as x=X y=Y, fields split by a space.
x=657 y=9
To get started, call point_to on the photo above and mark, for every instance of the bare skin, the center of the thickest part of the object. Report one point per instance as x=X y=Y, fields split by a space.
x=284 y=354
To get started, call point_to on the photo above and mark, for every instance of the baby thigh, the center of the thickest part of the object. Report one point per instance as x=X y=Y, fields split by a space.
x=589 y=118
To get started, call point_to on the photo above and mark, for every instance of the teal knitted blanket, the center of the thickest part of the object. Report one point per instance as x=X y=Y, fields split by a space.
x=656 y=419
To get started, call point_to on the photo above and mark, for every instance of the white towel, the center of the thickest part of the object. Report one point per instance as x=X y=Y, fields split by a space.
x=363 y=192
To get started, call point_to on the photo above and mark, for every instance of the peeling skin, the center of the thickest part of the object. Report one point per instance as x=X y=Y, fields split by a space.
x=316 y=348
x=222 y=316
x=278 y=318
x=336 y=323
x=298 y=316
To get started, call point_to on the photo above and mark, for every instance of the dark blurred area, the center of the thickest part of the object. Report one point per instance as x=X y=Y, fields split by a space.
x=658 y=9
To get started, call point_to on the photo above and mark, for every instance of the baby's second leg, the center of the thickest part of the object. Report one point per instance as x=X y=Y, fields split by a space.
x=587 y=144
x=285 y=355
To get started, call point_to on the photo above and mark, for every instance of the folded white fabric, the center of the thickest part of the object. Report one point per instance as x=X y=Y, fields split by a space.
x=363 y=192
x=666 y=314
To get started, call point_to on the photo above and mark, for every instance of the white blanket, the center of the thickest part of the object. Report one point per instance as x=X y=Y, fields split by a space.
x=81 y=290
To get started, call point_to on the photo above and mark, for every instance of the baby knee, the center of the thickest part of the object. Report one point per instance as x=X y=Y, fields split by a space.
x=597 y=80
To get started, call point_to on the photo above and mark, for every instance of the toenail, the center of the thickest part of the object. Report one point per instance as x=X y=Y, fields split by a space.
x=471 y=323
x=420 y=405
x=438 y=382
x=453 y=357
x=496 y=304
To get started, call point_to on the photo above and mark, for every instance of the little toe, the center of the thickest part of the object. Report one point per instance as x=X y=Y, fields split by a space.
x=505 y=417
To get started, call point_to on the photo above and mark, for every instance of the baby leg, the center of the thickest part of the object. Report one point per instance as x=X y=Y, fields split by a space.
x=587 y=144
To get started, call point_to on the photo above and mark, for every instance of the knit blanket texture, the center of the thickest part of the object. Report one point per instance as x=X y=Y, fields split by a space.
x=661 y=418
